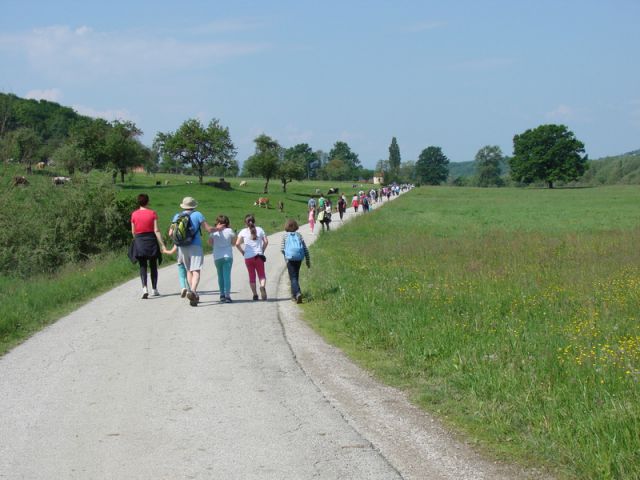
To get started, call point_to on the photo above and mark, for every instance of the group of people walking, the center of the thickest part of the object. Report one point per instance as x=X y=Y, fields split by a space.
x=185 y=231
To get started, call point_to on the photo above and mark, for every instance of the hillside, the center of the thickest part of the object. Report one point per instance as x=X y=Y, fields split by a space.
x=619 y=169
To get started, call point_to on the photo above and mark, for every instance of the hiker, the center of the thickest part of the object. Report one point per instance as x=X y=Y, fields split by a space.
x=255 y=243
x=354 y=203
x=342 y=206
x=190 y=252
x=324 y=217
x=182 y=271
x=147 y=242
x=294 y=250
x=223 y=238
x=312 y=218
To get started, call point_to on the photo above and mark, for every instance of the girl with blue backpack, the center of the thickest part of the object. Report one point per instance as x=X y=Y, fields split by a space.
x=294 y=250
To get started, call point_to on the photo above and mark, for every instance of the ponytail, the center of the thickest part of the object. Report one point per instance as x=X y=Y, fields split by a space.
x=250 y=221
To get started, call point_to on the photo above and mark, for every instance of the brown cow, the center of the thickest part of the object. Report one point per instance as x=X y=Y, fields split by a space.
x=262 y=202
x=20 y=180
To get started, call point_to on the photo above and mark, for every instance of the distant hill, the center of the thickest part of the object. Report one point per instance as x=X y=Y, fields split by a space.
x=619 y=169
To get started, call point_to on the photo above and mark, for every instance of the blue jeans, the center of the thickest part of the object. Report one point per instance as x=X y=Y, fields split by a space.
x=223 y=266
x=293 y=267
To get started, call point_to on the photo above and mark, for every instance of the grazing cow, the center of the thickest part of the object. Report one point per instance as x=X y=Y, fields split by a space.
x=20 y=180
x=243 y=183
x=166 y=182
x=40 y=165
x=60 y=180
x=280 y=206
x=317 y=191
x=333 y=190
x=158 y=182
x=262 y=202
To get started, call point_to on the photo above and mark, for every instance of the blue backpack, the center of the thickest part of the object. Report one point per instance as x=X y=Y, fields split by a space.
x=293 y=249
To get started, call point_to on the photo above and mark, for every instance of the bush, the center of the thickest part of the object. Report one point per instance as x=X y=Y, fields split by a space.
x=49 y=226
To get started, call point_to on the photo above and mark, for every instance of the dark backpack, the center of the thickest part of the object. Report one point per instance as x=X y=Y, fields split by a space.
x=182 y=230
x=293 y=249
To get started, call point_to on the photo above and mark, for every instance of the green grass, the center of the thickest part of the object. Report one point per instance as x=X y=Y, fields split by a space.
x=511 y=314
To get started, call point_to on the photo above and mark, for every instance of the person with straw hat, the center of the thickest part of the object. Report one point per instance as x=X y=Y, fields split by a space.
x=192 y=255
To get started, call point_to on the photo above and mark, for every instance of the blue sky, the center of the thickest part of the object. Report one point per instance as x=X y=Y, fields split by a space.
x=455 y=74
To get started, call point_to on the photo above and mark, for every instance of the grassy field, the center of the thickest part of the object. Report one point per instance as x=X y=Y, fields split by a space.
x=511 y=314
x=26 y=306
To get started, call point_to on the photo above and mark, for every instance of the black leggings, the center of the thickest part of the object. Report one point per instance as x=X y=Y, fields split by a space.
x=153 y=264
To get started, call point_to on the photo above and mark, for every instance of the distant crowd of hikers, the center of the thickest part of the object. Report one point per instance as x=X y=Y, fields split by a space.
x=185 y=233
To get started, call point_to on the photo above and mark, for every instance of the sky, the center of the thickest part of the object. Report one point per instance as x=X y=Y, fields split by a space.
x=458 y=74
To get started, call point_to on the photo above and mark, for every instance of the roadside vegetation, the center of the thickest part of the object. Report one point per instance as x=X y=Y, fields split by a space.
x=511 y=314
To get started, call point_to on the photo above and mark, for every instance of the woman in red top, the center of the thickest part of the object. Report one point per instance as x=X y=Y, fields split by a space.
x=147 y=242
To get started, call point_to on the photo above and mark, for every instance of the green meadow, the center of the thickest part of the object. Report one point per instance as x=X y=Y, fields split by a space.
x=511 y=314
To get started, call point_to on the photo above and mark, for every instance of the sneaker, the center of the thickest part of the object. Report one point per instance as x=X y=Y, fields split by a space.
x=255 y=297
x=227 y=299
x=193 y=299
x=263 y=293
x=183 y=293
x=222 y=298
x=299 y=298
x=145 y=293
x=156 y=293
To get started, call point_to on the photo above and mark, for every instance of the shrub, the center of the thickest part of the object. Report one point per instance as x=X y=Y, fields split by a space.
x=48 y=227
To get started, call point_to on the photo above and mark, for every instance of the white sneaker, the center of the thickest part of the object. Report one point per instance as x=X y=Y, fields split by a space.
x=156 y=293
x=145 y=292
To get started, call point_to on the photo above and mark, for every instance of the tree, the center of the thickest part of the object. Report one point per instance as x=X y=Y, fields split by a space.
x=70 y=156
x=432 y=166
x=394 y=160
x=295 y=164
x=265 y=162
x=548 y=153
x=198 y=147
x=407 y=172
x=342 y=151
x=22 y=145
x=123 y=149
x=488 y=161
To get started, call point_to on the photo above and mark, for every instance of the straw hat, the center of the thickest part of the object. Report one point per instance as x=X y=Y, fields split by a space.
x=188 y=203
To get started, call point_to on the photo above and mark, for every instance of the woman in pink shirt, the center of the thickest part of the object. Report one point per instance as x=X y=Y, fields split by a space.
x=147 y=242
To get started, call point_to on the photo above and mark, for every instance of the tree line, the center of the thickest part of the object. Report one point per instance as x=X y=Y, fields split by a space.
x=33 y=131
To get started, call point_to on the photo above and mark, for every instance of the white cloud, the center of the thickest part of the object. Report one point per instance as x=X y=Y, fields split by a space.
x=561 y=113
x=61 y=51
x=110 y=115
x=51 y=94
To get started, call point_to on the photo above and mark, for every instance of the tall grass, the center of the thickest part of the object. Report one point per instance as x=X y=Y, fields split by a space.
x=512 y=314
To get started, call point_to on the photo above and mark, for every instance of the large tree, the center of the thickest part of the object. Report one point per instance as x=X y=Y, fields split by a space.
x=198 y=147
x=295 y=164
x=123 y=148
x=22 y=146
x=265 y=162
x=548 y=153
x=394 y=160
x=432 y=166
x=341 y=151
x=488 y=160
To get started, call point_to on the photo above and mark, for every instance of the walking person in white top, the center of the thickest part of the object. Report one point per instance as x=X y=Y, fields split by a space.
x=223 y=239
x=255 y=242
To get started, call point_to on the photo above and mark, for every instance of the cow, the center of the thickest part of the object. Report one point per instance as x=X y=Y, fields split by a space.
x=40 y=165
x=60 y=180
x=333 y=190
x=158 y=183
x=262 y=202
x=243 y=183
x=20 y=180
